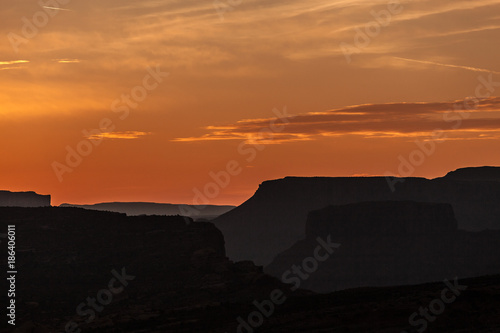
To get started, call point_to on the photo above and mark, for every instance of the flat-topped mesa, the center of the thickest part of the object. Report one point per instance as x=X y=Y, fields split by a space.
x=485 y=173
x=23 y=199
x=382 y=218
x=274 y=218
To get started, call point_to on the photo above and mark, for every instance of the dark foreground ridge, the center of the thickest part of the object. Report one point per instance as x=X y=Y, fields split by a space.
x=274 y=218
x=65 y=255
x=168 y=276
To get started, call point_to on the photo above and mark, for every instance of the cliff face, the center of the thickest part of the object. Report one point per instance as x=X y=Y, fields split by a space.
x=274 y=218
x=65 y=255
x=381 y=219
x=23 y=199
x=391 y=243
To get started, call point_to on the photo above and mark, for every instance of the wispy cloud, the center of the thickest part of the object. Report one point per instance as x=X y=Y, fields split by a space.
x=57 y=8
x=128 y=135
x=9 y=68
x=13 y=62
x=67 y=61
x=393 y=120
x=469 y=68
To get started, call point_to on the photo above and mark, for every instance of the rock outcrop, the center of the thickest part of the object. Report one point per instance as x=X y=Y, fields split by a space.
x=23 y=199
x=485 y=173
x=390 y=243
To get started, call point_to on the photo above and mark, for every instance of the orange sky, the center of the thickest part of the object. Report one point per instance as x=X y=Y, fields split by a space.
x=227 y=73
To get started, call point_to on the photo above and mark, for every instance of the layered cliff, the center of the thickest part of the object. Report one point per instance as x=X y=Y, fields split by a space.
x=23 y=199
x=274 y=218
x=390 y=243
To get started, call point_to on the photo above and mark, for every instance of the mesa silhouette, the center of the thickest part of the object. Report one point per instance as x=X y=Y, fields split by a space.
x=23 y=199
x=274 y=218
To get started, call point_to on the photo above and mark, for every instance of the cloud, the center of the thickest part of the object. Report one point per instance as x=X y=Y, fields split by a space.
x=67 y=61
x=9 y=68
x=392 y=120
x=128 y=135
x=474 y=69
x=13 y=62
x=279 y=42
x=7 y=65
x=56 y=8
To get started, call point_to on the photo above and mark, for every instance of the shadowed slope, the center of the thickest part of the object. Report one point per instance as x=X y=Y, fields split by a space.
x=390 y=243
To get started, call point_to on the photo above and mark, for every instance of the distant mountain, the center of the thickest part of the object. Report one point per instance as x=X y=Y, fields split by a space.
x=23 y=199
x=274 y=218
x=390 y=243
x=207 y=212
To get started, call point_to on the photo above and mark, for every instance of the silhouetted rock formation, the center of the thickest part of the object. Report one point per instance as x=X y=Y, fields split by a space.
x=23 y=199
x=479 y=173
x=390 y=243
x=274 y=218
x=184 y=283
x=206 y=212
x=65 y=255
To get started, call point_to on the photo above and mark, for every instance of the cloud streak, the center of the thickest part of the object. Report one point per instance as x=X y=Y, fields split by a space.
x=67 y=61
x=393 y=120
x=474 y=69
x=128 y=135
x=57 y=8
x=13 y=62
